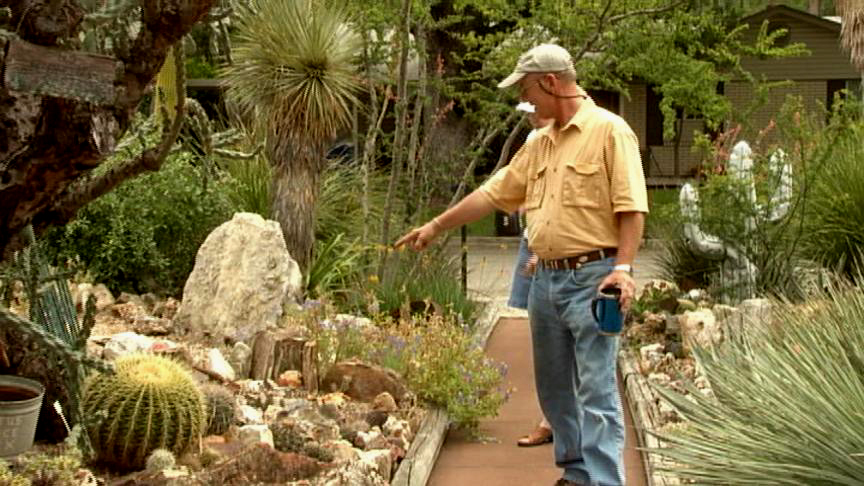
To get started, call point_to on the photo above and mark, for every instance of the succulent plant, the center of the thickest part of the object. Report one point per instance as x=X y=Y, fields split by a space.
x=150 y=402
x=287 y=437
x=160 y=460
x=221 y=408
x=317 y=451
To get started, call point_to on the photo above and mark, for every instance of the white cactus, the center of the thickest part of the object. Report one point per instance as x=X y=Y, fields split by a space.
x=737 y=271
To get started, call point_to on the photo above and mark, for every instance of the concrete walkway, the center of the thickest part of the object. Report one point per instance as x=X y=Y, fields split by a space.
x=494 y=458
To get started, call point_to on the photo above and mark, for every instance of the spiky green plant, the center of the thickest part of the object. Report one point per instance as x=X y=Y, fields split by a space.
x=221 y=408
x=160 y=460
x=295 y=68
x=150 y=402
x=786 y=405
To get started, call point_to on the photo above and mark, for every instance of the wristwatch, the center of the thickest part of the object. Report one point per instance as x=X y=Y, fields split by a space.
x=623 y=267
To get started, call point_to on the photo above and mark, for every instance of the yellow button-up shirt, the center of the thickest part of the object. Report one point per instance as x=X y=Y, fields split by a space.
x=572 y=182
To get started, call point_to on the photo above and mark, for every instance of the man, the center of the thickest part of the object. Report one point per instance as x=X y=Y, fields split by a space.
x=581 y=183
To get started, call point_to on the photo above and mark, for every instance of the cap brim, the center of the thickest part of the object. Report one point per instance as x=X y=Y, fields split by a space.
x=514 y=78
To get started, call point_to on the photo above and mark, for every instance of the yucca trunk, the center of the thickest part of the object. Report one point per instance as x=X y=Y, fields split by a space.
x=296 y=184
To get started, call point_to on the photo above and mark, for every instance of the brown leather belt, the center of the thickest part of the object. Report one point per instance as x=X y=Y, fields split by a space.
x=575 y=262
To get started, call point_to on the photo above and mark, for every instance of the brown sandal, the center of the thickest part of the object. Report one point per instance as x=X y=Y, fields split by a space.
x=540 y=436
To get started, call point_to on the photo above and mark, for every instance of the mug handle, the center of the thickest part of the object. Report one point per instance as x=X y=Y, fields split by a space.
x=594 y=303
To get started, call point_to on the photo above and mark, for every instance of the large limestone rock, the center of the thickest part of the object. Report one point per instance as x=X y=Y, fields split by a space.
x=243 y=276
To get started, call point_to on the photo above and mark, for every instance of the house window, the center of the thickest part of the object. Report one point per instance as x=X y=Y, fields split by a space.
x=609 y=100
x=782 y=40
x=841 y=88
x=653 y=118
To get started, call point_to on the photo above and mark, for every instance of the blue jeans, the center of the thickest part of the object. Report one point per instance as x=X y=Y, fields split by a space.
x=521 y=282
x=575 y=373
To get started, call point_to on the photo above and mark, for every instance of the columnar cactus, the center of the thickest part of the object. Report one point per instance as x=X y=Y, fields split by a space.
x=739 y=273
x=150 y=402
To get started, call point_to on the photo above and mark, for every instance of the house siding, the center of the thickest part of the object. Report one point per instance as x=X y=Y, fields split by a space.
x=826 y=60
x=808 y=76
x=812 y=93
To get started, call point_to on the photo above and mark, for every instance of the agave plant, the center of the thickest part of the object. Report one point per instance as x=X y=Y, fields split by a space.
x=787 y=402
x=295 y=70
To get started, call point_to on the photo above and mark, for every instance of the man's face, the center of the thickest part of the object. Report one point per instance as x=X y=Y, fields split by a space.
x=530 y=91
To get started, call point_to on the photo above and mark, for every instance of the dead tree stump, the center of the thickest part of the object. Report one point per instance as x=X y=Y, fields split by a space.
x=275 y=352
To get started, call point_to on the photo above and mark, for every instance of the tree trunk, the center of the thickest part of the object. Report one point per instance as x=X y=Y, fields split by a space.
x=50 y=142
x=296 y=184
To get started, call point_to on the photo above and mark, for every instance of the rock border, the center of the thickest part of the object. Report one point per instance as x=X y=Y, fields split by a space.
x=416 y=468
x=645 y=416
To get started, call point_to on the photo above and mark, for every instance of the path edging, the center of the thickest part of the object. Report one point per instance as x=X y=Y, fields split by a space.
x=416 y=468
x=645 y=416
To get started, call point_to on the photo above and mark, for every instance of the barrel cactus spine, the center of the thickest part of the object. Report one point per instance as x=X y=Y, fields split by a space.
x=150 y=402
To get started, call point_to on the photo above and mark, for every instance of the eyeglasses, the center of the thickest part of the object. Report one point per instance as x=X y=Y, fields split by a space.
x=524 y=90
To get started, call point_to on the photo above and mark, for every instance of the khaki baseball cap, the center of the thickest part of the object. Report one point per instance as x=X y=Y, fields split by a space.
x=545 y=58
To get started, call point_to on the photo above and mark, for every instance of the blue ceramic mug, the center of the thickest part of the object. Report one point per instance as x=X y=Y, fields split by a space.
x=607 y=311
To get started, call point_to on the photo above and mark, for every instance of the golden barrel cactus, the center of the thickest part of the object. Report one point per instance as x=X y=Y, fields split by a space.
x=150 y=402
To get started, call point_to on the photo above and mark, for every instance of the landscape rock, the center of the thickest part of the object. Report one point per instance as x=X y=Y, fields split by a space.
x=364 y=382
x=243 y=277
x=254 y=434
x=124 y=343
x=152 y=326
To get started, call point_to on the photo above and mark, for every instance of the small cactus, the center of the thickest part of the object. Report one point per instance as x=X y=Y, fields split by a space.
x=287 y=437
x=150 y=402
x=160 y=460
x=221 y=409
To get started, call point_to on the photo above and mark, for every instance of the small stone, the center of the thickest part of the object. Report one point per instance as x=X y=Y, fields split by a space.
x=218 y=365
x=343 y=451
x=239 y=359
x=380 y=459
x=291 y=379
x=373 y=439
x=152 y=326
x=384 y=402
x=249 y=415
x=685 y=305
x=254 y=434
x=377 y=418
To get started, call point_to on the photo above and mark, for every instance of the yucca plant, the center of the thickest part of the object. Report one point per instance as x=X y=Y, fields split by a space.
x=787 y=402
x=295 y=69
x=835 y=216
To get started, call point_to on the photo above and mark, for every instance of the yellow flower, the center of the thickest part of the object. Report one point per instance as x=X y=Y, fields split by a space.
x=373 y=279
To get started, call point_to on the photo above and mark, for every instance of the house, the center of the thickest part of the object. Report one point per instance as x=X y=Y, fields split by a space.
x=816 y=78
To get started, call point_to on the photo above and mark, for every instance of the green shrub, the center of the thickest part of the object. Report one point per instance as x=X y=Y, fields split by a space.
x=144 y=235
x=786 y=402
x=415 y=277
x=435 y=355
x=252 y=190
x=444 y=368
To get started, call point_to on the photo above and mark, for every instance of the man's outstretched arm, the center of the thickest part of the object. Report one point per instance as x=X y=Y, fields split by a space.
x=473 y=207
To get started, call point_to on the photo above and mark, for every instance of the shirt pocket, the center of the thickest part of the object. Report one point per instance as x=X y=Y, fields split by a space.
x=581 y=187
x=536 y=188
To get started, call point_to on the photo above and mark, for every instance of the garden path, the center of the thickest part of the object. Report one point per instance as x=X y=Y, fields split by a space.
x=495 y=459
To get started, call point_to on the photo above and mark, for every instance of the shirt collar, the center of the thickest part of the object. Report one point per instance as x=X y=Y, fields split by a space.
x=578 y=120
